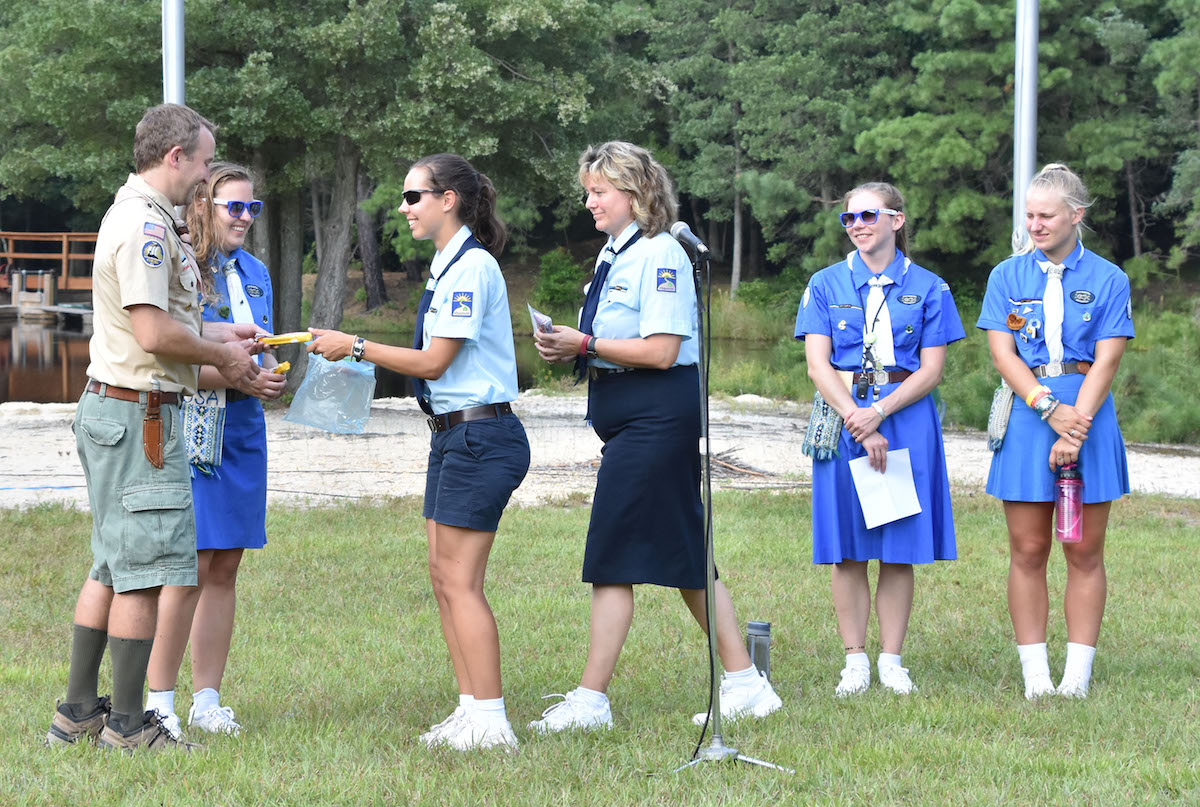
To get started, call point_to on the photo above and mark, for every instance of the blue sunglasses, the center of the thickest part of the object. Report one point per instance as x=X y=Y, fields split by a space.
x=869 y=216
x=235 y=208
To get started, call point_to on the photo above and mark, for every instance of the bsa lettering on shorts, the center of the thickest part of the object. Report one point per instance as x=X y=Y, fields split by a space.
x=156 y=230
x=1083 y=296
x=665 y=282
x=254 y=291
x=909 y=299
x=461 y=303
x=152 y=254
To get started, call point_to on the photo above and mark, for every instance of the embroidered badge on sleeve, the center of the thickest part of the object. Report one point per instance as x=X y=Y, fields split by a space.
x=665 y=281
x=804 y=299
x=462 y=303
x=152 y=254
x=156 y=230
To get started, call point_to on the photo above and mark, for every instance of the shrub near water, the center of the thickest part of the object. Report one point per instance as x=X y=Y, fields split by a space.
x=558 y=290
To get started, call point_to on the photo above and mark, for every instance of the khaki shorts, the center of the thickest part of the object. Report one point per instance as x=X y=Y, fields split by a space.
x=143 y=527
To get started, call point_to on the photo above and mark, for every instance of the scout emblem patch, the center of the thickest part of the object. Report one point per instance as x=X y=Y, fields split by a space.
x=1083 y=297
x=1087 y=316
x=156 y=230
x=909 y=299
x=666 y=281
x=1015 y=322
x=461 y=303
x=152 y=254
x=254 y=291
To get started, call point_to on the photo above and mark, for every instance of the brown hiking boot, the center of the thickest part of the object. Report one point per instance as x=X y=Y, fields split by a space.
x=150 y=736
x=66 y=729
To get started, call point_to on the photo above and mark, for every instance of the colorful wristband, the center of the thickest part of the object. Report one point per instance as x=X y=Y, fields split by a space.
x=1035 y=393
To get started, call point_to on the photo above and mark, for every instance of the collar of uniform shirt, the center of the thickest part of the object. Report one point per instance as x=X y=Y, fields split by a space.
x=1069 y=262
x=438 y=265
x=860 y=274
x=615 y=244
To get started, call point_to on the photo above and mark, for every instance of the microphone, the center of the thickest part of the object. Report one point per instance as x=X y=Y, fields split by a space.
x=684 y=235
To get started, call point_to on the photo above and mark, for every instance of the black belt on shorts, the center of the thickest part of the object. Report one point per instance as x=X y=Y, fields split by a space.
x=131 y=395
x=601 y=372
x=441 y=423
x=1055 y=369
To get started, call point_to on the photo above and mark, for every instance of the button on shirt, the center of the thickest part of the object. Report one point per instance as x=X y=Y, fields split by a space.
x=1096 y=305
x=649 y=291
x=256 y=284
x=919 y=303
x=470 y=302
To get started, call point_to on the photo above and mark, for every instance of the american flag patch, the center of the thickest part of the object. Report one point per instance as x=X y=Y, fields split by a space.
x=156 y=230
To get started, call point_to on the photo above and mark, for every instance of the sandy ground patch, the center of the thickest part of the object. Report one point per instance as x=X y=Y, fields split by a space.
x=756 y=440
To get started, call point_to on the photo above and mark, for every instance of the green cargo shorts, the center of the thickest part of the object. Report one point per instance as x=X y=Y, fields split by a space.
x=143 y=526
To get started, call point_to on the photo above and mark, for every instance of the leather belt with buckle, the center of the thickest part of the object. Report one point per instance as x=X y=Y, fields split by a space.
x=877 y=378
x=131 y=395
x=1057 y=368
x=441 y=423
x=601 y=372
x=234 y=395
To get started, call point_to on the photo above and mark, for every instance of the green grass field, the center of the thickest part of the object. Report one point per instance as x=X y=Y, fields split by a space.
x=338 y=665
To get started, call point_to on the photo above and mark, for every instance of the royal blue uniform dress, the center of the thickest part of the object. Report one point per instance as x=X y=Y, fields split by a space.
x=646 y=522
x=923 y=315
x=1096 y=305
x=231 y=505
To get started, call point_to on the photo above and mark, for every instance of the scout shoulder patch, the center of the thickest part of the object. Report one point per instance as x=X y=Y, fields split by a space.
x=909 y=299
x=1083 y=296
x=665 y=281
x=254 y=291
x=156 y=230
x=461 y=303
x=152 y=254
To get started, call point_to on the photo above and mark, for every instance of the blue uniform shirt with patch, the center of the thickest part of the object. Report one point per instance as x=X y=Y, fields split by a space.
x=1096 y=304
x=649 y=290
x=470 y=302
x=920 y=305
x=256 y=283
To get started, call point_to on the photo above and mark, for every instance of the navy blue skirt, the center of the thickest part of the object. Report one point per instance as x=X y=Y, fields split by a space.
x=647 y=525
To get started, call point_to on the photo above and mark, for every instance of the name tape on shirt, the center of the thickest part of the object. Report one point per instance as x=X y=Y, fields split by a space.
x=156 y=230
x=461 y=303
x=665 y=282
x=152 y=254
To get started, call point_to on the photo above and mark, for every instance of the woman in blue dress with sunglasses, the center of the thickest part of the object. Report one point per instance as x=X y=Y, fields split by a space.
x=875 y=328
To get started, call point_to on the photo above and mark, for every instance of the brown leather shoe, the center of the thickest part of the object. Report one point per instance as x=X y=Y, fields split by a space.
x=65 y=729
x=150 y=736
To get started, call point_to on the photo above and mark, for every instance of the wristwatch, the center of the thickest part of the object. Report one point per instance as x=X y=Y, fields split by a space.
x=356 y=351
x=1045 y=405
x=590 y=348
x=878 y=407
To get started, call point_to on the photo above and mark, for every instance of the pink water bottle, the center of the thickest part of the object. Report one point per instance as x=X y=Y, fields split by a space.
x=1068 y=504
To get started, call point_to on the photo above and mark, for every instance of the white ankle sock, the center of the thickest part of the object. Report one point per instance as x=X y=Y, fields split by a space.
x=888 y=660
x=742 y=677
x=858 y=660
x=489 y=711
x=1079 y=661
x=465 y=701
x=205 y=699
x=593 y=698
x=1034 y=660
x=161 y=700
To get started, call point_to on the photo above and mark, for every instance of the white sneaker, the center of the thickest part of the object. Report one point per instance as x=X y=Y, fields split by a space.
x=757 y=699
x=170 y=722
x=473 y=735
x=1039 y=685
x=215 y=721
x=438 y=732
x=1073 y=686
x=855 y=679
x=573 y=713
x=895 y=678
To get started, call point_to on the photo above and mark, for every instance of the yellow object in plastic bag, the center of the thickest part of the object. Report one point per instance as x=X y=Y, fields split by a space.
x=294 y=338
x=282 y=367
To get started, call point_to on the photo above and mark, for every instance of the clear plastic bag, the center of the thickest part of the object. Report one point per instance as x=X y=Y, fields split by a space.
x=334 y=396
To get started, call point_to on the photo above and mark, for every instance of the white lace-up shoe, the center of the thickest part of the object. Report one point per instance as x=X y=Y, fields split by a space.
x=895 y=678
x=440 y=731
x=572 y=712
x=215 y=721
x=1039 y=685
x=1073 y=686
x=755 y=699
x=472 y=735
x=170 y=724
x=856 y=678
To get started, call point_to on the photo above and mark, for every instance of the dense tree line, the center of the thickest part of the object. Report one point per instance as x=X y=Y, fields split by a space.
x=766 y=111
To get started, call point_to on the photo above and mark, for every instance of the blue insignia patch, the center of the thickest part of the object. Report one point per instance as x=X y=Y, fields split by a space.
x=254 y=291
x=152 y=254
x=909 y=299
x=1083 y=297
x=461 y=303
x=665 y=281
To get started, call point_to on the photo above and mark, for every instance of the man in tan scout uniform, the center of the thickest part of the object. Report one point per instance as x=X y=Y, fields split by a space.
x=144 y=352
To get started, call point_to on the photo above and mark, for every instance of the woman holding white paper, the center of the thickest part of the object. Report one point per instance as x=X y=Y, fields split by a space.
x=875 y=327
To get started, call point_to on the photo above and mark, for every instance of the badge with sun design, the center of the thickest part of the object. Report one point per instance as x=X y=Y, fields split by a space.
x=666 y=281
x=461 y=303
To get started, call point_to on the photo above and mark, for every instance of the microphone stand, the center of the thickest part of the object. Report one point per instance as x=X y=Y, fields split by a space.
x=716 y=750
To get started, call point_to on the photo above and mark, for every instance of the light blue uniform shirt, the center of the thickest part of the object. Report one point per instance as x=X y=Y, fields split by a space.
x=470 y=302
x=1096 y=304
x=649 y=290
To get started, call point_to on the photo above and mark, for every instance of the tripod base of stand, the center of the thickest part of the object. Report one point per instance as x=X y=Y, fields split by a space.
x=717 y=751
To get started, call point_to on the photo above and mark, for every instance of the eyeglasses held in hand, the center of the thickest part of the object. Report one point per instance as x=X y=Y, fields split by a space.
x=869 y=216
x=235 y=208
x=414 y=196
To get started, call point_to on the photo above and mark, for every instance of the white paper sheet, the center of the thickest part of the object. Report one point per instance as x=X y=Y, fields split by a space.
x=888 y=496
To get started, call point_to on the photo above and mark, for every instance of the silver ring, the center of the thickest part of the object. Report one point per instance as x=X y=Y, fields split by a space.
x=1072 y=432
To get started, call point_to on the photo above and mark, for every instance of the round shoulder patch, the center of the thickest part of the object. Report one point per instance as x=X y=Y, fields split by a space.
x=152 y=254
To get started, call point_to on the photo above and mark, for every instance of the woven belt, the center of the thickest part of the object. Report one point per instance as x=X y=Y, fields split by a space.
x=1057 y=368
x=131 y=395
x=601 y=372
x=441 y=423
x=877 y=378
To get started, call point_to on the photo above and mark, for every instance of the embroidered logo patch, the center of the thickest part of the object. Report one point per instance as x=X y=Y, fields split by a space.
x=909 y=299
x=156 y=230
x=945 y=287
x=152 y=254
x=461 y=303
x=254 y=291
x=1015 y=322
x=1083 y=297
x=666 y=281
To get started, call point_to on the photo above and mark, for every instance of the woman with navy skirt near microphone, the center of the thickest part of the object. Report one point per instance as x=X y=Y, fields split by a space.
x=1057 y=318
x=464 y=370
x=637 y=345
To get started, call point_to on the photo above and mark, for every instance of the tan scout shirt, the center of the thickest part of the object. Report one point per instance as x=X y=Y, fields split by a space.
x=140 y=261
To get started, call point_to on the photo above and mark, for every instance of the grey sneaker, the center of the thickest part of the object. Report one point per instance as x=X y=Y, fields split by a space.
x=150 y=736
x=65 y=729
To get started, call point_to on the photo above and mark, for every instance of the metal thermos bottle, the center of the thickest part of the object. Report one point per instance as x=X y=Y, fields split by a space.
x=758 y=645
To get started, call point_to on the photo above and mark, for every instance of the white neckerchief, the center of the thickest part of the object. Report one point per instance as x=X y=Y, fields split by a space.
x=876 y=318
x=1054 y=306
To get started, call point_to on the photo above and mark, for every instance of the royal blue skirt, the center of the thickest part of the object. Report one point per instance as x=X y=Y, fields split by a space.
x=231 y=505
x=1020 y=469
x=839 y=531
